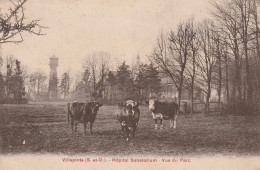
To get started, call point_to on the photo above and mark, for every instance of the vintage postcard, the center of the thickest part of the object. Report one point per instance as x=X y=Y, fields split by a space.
x=133 y=84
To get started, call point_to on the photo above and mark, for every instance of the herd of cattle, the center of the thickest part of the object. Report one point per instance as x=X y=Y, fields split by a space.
x=128 y=114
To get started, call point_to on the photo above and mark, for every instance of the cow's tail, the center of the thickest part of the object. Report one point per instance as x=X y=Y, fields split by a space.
x=68 y=112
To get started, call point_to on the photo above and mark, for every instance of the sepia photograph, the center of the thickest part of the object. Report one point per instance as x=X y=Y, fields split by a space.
x=110 y=84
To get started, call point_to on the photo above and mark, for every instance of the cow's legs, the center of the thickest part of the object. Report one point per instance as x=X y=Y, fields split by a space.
x=161 y=124
x=85 y=127
x=156 y=126
x=76 y=123
x=134 y=128
x=91 y=125
x=175 y=121
x=171 y=123
x=72 y=124
x=127 y=133
x=123 y=129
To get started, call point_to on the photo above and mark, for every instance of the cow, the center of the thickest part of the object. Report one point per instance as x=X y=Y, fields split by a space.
x=163 y=110
x=128 y=115
x=83 y=112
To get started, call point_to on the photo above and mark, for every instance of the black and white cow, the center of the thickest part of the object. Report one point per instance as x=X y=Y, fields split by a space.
x=128 y=115
x=163 y=110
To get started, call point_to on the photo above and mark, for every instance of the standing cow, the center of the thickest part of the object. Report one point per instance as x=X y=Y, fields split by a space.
x=83 y=112
x=163 y=110
x=128 y=115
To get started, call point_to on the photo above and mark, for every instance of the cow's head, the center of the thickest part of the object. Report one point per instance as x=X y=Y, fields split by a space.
x=152 y=103
x=94 y=106
x=130 y=105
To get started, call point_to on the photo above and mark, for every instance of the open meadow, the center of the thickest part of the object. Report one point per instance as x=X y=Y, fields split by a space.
x=43 y=128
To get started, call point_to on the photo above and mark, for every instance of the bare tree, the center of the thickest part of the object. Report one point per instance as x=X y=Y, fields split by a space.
x=238 y=22
x=218 y=53
x=191 y=70
x=243 y=8
x=37 y=80
x=104 y=69
x=206 y=61
x=226 y=72
x=257 y=46
x=179 y=48
x=227 y=16
x=92 y=65
x=171 y=54
x=13 y=23
x=97 y=63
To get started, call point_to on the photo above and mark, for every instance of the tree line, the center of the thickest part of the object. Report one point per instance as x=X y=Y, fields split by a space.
x=221 y=52
x=99 y=82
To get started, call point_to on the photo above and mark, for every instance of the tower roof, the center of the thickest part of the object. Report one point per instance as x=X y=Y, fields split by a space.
x=138 y=57
x=53 y=56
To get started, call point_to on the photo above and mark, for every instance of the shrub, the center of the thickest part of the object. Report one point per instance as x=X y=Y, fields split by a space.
x=238 y=108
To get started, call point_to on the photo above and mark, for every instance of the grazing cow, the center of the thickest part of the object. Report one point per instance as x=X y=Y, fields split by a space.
x=83 y=112
x=163 y=110
x=128 y=115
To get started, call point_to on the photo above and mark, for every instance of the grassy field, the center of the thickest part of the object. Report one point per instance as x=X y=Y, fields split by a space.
x=43 y=128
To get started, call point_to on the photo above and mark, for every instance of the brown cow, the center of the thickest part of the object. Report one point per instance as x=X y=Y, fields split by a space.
x=83 y=112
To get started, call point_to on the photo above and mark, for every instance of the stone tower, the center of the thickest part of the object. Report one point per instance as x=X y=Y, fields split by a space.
x=53 y=80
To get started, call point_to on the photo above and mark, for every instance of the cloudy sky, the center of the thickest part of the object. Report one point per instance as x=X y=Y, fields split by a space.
x=77 y=28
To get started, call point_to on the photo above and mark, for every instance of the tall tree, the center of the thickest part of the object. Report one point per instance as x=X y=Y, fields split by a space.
x=103 y=69
x=37 y=80
x=191 y=70
x=65 y=85
x=153 y=79
x=257 y=45
x=171 y=54
x=141 y=82
x=206 y=61
x=227 y=18
x=85 y=82
x=111 y=79
x=97 y=63
x=124 y=81
x=18 y=88
x=238 y=23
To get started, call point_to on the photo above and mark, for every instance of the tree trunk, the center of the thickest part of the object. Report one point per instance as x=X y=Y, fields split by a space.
x=179 y=99
x=257 y=56
x=220 y=81
x=192 y=89
x=207 y=109
x=238 y=88
x=227 y=78
x=193 y=78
